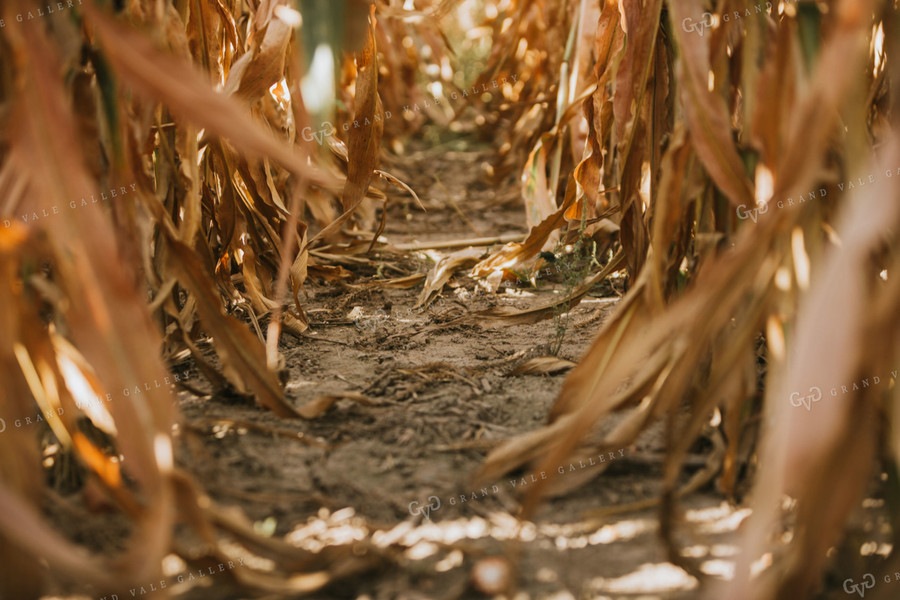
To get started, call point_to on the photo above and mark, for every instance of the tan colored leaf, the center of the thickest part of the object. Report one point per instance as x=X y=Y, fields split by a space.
x=807 y=449
x=364 y=144
x=514 y=254
x=705 y=110
x=512 y=316
x=444 y=270
x=543 y=365
x=401 y=283
x=185 y=92
x=243 y=356
x=260 y=68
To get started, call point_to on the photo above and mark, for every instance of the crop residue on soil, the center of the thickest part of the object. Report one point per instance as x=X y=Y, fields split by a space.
x=441 y=397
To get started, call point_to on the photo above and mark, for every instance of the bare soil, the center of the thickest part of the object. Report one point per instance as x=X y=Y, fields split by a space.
x=443 y=397
x=439 y=395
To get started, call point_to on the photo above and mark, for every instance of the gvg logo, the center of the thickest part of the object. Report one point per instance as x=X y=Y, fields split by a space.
x=815 y=394
x=709 y=20
x=328 y=129
x=379 y=318
x=867 y=583
x=434 y=503
x=762 y=208
x=689 y=25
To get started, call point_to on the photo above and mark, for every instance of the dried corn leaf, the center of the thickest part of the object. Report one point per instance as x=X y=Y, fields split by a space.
x=806 y=450
x=514 y=254
x=243 y=357
x=705 y=111
x=513 y=316
x=364 y=145
x=444 y=270
x=183 y=90
x=543 y=365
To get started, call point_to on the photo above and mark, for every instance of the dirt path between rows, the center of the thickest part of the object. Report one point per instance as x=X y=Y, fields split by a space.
x=442 y=396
